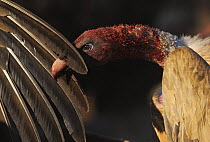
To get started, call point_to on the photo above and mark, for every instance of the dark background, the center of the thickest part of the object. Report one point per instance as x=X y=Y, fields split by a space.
x=120 y=90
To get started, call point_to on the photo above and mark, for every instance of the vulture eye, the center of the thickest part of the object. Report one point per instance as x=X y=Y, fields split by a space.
x=87 y=47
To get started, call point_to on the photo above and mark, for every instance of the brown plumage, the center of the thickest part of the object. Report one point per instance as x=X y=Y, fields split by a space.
x=186 y=90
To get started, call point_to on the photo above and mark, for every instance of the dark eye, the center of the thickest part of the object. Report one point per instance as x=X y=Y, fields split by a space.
x=87 y=47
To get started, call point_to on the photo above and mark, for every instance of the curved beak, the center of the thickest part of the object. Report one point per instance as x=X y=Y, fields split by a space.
x=59 y=67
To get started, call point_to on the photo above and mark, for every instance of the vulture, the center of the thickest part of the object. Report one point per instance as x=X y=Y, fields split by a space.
x=41 y=100
x=33 y=105
x=180 y=109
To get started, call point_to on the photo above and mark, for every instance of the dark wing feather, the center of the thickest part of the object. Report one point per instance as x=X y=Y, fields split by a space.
x=9 y=130
x=44 y=42
x=46 y=60
x=34 y=95
x=50 y=39
x=28 y=48
x=186 y=90
x=11 y=98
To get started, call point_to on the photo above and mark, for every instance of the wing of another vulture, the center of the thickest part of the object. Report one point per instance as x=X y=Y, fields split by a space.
x=186 y=91
x=36 y=107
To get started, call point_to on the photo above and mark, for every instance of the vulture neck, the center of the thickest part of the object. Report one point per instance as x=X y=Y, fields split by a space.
x=149 y=44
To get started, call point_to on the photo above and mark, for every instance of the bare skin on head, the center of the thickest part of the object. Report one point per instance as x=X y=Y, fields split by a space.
x=123 y=41
x=119 y=42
